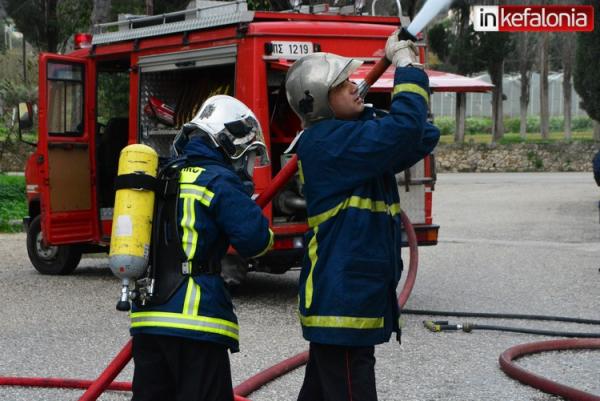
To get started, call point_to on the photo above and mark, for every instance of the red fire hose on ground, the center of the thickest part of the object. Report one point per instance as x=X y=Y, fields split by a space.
x=105 y=380
x=539 y=382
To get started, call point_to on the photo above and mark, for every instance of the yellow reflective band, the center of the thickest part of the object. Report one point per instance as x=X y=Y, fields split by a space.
x=312 y=255
x=412 y=88
x=394 y=209
x=342 y=322
x=185 y=322
x=355 y=202
x=300 y=172
x=191 y=304
x=190 y=235
x=190 y=174
x=269 y=245
x=201 y=194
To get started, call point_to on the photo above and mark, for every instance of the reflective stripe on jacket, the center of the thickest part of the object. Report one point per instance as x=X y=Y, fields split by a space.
x=352 y=265
x=213 y=211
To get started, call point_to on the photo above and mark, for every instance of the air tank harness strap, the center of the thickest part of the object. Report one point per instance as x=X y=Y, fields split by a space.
x=136 y=181
x=169 y=187
x=210 y=267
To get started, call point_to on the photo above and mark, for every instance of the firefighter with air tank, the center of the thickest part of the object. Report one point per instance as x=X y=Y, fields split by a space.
x=182 y=321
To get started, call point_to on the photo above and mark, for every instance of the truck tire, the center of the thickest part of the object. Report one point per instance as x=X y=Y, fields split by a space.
x=54 y=260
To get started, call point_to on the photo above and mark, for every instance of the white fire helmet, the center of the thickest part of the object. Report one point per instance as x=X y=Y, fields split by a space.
x=309 y=80
x=230 y=125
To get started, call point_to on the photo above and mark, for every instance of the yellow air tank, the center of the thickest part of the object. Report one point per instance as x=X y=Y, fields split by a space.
x=132 y=216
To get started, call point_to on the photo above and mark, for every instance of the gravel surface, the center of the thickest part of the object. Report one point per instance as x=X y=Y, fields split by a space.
x=513 y=243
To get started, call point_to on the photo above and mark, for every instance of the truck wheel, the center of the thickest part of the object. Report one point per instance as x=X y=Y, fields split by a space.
x=55 y=260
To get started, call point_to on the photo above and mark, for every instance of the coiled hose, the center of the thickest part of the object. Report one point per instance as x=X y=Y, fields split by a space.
x=105 y=380
x=582 y=341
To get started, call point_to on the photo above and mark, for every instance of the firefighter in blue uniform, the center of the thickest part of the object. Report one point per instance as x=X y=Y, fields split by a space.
x=181 y=337
x=347 y=157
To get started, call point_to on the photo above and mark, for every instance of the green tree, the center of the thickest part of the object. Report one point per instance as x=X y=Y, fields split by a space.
x=587 y=69
x=2 y=40
x=467 y=51
x=494 y=47
x=453 y=40
x=140 y=6
x=73 y=16
x=48 y=24
x=37 y=20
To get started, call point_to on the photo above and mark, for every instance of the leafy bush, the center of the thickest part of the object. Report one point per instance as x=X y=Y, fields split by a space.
x=446 y=125
x=478 y=125
x=483 y=125
x=13 y=205
x=581 y=124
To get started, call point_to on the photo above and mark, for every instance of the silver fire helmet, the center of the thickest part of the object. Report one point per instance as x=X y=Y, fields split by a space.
x=309 y=80
x=230 y=125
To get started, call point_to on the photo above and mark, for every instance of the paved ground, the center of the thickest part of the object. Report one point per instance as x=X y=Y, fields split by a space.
x=518 y=243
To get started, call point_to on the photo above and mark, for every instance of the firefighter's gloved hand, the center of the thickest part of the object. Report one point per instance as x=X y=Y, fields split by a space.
x=402 y=53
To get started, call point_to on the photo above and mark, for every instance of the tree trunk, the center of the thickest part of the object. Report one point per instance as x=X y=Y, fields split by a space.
x=525 y=60
x=567 y=88
x=569 y=43
x=51 y=26
x=524 y=102
x=101 y=12
x=149 y=7
x=461 y=110
x=544 y=101
x=496 y=72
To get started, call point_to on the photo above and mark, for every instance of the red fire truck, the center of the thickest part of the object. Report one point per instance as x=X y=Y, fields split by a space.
x=139 y=79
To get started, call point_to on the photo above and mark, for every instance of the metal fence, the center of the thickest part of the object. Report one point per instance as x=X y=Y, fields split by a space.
x=480 y=104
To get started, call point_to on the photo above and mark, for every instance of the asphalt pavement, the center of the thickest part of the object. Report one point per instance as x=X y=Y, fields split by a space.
x=511 y=243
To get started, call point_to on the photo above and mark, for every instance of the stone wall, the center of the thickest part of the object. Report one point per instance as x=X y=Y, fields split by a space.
x=576 y=156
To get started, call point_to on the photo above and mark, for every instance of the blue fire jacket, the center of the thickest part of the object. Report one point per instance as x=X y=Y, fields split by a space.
x=213 y=211
x=352 y=266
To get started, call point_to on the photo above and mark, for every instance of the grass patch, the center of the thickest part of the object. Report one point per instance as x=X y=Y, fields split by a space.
x=479 y=130
x=13 y=203
x=581 y=136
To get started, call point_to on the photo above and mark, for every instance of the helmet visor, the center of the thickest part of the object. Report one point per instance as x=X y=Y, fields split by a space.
x=240 y=136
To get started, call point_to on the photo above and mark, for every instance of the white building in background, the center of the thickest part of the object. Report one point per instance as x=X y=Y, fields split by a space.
x=480 y=104
x=12 y=37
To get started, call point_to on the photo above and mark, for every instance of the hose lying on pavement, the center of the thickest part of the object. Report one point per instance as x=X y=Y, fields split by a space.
x=539 y=382
x=250 y=385
x=437 y=325
x=501 y=316
x=586 y=341
x=105 y=380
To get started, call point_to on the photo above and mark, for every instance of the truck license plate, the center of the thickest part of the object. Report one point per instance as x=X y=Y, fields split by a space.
x=291 y=49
